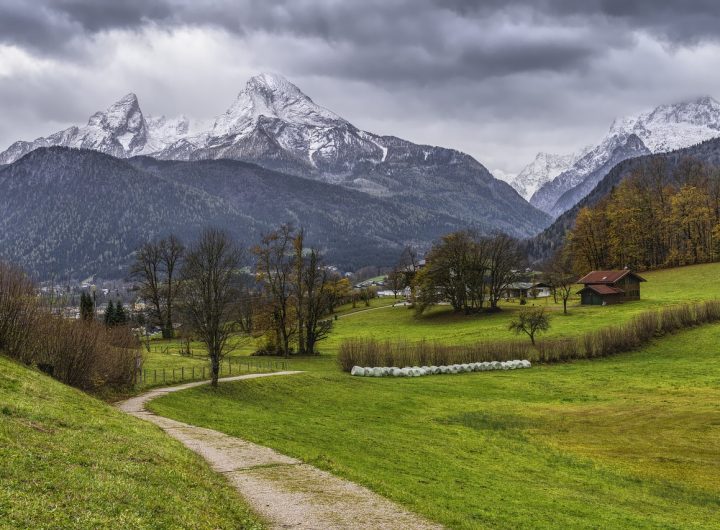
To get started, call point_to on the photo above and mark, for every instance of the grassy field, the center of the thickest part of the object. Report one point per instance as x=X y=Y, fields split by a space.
x=71 y=461
x=441 y=324
x=625 y=442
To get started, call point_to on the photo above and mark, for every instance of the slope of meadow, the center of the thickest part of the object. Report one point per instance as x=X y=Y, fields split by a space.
x=71 y=461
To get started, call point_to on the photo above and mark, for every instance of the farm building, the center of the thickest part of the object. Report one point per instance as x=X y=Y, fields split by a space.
x=526 y=290
x=610 y=287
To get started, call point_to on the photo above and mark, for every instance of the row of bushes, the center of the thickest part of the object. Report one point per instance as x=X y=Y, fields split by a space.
x=84 y=354
x=600 y=343
x=371 y=352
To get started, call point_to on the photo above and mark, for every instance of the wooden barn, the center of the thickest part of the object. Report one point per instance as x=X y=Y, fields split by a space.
x=610 y=287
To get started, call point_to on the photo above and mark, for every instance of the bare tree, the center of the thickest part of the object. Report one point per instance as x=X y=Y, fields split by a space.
x=155 y=270
x=408 y=264
x=396 y=281
x=209 y=291
x=561 y=276
x=317 y=287
x=503 y=255
x=171 y=253
x=299 y=291
x=275 y=267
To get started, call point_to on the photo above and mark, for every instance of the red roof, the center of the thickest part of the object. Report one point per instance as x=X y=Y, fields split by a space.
x=602 y=289
x=608 y=277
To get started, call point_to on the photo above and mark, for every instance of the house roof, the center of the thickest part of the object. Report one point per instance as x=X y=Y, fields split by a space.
x=602 y=289
x=520 y=285
x=608 y=277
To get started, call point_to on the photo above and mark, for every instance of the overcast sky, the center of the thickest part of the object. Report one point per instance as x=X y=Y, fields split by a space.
x=501 y=81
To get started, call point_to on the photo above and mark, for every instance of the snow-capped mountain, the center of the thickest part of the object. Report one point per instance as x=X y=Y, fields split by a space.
x=666 y=128
x=121 y=131
x=271 y=120
x=273 y=124
x=544 y=168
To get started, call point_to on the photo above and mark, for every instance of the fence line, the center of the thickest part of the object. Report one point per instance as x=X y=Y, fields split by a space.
x=193 y=373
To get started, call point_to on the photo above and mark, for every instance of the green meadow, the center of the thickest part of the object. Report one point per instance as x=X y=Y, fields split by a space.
x=631 y=441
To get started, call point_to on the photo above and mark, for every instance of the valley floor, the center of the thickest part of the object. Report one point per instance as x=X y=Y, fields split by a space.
x=630 y=441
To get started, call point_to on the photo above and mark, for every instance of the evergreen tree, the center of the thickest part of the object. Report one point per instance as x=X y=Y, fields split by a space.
x=110 y=314
x=121 y=317
x=87 y=307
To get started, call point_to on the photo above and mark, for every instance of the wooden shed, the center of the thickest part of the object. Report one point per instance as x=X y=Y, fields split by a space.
x=610 y=287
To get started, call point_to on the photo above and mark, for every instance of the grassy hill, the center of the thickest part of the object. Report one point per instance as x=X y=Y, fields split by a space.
x=71 y=461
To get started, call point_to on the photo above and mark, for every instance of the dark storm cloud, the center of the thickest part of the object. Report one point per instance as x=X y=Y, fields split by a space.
x=410 y=40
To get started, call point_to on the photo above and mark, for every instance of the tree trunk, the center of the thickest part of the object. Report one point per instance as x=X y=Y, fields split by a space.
x=214 y=370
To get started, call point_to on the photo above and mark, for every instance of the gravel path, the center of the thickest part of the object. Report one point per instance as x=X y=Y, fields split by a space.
x=288 y=493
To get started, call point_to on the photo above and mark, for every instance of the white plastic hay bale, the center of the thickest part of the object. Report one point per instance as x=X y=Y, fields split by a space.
x=396 y=372
x=453 y=368
x=425 y=368
x=387 y=370
x=357 y=371
x=434 y=370
x=377 y=372
x=405 y=372
x=526 y=363
x=443 y=369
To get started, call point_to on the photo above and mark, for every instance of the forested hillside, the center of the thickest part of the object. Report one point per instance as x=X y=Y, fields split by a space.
x=643 y=205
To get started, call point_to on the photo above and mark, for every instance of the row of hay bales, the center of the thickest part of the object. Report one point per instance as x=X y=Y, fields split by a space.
x=417 y=371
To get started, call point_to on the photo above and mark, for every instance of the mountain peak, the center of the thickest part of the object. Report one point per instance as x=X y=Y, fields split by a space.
x=272 y=96
x=269 y=81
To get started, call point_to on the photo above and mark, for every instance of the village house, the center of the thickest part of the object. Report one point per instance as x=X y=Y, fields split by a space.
x=527 y=290
x=610 y=287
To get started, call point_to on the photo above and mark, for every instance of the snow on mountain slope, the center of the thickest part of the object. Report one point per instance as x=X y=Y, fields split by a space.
x=543 y=169
x=666 y=128
x=273 y=124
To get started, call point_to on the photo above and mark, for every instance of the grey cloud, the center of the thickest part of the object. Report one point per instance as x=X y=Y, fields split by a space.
x=498 y=79
x=405 y=40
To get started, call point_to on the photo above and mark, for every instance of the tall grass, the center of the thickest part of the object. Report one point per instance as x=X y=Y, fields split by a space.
x=371 y=352
x=599 y=343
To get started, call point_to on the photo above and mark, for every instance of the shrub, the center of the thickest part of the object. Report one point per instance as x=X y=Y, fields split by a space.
x=557 y=350
x=371 y=352
x=79 y=353
x=18 y=311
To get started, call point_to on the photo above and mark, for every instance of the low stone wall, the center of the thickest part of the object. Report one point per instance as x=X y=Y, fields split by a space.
x=417 y=371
